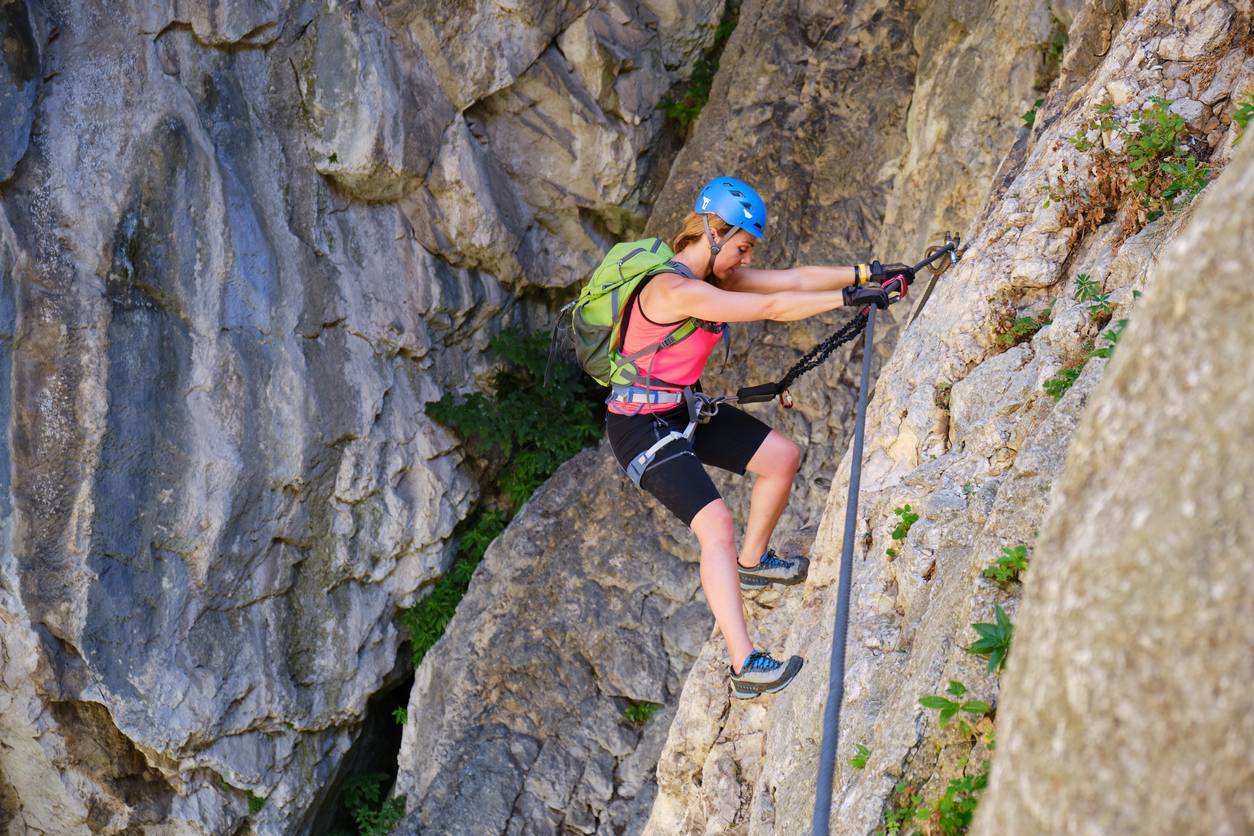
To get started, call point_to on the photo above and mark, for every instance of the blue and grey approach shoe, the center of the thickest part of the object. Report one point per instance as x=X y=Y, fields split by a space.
x=761 y=674
x=773 y=569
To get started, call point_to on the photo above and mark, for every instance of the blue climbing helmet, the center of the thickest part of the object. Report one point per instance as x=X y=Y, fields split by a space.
x=735 y=202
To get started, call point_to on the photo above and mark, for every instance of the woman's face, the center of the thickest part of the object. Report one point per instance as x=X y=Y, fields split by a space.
x=738 y=252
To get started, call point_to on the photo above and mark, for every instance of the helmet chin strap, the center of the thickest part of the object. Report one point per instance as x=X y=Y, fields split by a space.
x=716 y=245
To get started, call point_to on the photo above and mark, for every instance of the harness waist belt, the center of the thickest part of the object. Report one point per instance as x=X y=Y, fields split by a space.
x=638 y=394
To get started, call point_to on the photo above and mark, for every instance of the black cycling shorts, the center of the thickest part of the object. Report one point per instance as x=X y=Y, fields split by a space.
x=676 y=476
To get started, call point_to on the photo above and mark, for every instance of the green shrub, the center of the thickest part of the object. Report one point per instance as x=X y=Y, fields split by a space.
x=1012 y=563
x=425 y=621
x=400 y=715
x=955 y=810
x=1058 y=385
x=685 y=107
x=1111 y=337
x=1029 y=115
x=527 y=429
x=1021 y=329
x=994 y=639
x=858 y=761
x=1242 y=116
x=362 y=796
x=638 y=712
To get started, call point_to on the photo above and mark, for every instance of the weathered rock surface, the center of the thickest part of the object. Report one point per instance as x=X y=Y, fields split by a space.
x=961 y=429
x=1133 y=642
x=515 y=724
x=801 y=92
x=220 y=324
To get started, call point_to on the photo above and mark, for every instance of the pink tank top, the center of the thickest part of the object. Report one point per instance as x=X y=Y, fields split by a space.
x=680 y=364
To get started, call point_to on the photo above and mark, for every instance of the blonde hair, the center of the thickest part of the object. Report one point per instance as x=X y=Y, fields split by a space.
x=693 y=230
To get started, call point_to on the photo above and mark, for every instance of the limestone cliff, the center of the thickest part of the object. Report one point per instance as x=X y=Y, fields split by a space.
x=241 y=245
x=962 y=429
x=1123 y=707
x=511 y=739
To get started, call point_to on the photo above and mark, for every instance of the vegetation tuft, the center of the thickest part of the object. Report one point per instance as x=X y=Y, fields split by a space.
x=858 y=761
x=905 y=519
x=363 y=800
x=527 y=430
x=1029 y=115
x=949 y=708
x=1154 y=171
x=1242 y=116
x=1022 y=329
x=1010 y=566
x=425 y=621
x=994 y=639
x=686 y=106
x=639 y=712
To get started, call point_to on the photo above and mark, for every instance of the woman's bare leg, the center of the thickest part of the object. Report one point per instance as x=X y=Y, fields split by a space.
x=719 y=578
x=775 y=464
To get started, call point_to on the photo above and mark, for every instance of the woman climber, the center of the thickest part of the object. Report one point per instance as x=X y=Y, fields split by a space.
x=707 y=284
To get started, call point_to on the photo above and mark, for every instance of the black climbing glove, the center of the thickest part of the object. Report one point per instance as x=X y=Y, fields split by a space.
x=881 y=273
x=858 y=295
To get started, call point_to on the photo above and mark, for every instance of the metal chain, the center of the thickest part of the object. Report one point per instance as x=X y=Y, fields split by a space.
x=815 y=356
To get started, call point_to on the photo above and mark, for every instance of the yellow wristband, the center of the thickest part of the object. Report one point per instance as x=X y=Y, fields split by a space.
x=861 y=273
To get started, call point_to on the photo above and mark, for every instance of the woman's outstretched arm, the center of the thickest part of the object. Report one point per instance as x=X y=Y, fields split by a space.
x=669 y=297
x=809 y=278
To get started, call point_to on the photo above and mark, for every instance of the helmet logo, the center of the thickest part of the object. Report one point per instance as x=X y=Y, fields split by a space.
x=705 y=203
x=746 y=211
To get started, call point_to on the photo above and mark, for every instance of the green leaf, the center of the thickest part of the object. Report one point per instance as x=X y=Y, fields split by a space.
x=976 y=707
x=933 y=701
x=956 y=688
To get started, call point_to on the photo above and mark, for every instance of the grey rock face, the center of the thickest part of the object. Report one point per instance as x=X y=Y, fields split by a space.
x=220 y=325
x=1140 y=601
x=20 y=77
x=515 y=724
x=961 y=429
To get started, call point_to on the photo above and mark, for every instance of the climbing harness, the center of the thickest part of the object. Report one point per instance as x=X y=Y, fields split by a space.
x=836 y=677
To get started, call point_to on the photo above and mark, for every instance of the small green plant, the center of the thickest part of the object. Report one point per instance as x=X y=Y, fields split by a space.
x=1242 y=116
x=400 y=715
x=1058 y=385
x=638 y=712
x=1023 y=328
x=905 y=519
x=1012 y=563
x=362 y=797
x=1088 y=291
x=949 y=708
x=425 y=621
x=1029 y=116
x=686 y=106
x=907 y=807
x=955 y=810
x=1111 y=337
x=255 y=803
x=994 y=639
x=858 y=761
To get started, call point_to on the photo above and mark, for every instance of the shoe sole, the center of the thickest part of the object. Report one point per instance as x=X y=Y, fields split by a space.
x=752 y=583
x=745 y=693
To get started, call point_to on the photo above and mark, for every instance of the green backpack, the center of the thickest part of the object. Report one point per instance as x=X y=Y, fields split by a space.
x=598 y=314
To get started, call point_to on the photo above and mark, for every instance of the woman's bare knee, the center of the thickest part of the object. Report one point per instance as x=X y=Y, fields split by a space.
x=713 y=525
x=779 y=455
